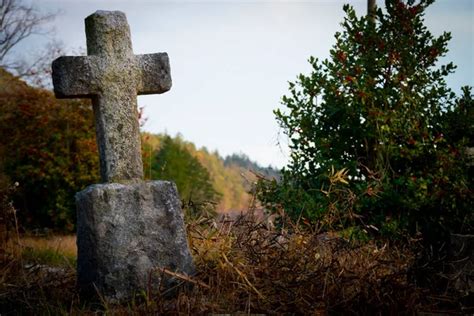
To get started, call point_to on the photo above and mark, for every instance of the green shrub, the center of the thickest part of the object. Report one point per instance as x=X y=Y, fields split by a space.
x=372 y=132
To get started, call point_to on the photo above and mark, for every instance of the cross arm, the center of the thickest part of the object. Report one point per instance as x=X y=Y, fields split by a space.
x=73 y=77
x=154 y=73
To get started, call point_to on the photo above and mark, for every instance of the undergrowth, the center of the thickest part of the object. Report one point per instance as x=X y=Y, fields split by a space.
x=243 y=265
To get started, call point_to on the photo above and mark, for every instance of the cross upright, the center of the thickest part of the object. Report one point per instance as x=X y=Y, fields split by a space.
x=112 y=76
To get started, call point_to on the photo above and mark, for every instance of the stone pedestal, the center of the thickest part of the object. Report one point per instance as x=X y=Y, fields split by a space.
x=124 y=233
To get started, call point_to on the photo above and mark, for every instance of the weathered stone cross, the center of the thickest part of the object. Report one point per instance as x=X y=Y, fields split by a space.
x=126 y=228
x=113 y=76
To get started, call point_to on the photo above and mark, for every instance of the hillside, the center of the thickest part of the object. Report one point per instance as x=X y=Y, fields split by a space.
x=243 y=161
x=48 y=147
x=232 y=176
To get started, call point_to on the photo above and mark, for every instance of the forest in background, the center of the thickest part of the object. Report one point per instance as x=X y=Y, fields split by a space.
x=48 y=153
x=232 y=177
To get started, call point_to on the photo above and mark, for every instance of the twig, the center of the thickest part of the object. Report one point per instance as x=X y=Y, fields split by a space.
x=183 y=277
x=243 y=277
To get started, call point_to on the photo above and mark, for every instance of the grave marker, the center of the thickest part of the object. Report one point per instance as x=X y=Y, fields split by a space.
x=126 y=228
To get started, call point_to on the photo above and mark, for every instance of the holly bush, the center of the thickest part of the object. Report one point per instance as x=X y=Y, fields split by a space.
x=373 y=132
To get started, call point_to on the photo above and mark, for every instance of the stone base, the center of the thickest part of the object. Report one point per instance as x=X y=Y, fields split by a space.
x=125 y=233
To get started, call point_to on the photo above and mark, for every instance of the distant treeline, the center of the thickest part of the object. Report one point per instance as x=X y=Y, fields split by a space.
x=230 y=178
x=243 y=161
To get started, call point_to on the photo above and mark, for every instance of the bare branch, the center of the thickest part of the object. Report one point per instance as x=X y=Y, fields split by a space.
x=37 y=71
x=18 y=22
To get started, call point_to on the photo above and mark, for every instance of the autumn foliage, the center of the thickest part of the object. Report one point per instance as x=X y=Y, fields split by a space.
x=48 y=148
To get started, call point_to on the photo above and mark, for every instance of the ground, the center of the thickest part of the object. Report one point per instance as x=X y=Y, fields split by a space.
x=243 y=265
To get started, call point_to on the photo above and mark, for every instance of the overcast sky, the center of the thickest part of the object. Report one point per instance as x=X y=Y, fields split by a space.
x=231 y=60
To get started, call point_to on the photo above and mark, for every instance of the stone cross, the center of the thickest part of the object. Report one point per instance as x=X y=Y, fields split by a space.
x=126 y=228
x=112 y=76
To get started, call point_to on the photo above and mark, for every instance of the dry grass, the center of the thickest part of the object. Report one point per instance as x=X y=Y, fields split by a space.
x=243 y=266
x=54 y=251
x=64 y=244
x=251 y=268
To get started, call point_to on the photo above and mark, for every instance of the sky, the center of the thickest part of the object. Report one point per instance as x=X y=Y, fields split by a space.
x=231 y=60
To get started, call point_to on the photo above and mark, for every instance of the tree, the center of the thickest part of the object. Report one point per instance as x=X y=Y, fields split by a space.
x=367 y=132
x=18 y=22
x=230 y=181
x=371 y=5
x=243 y=161
x=48 y=147
x=175 y=163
